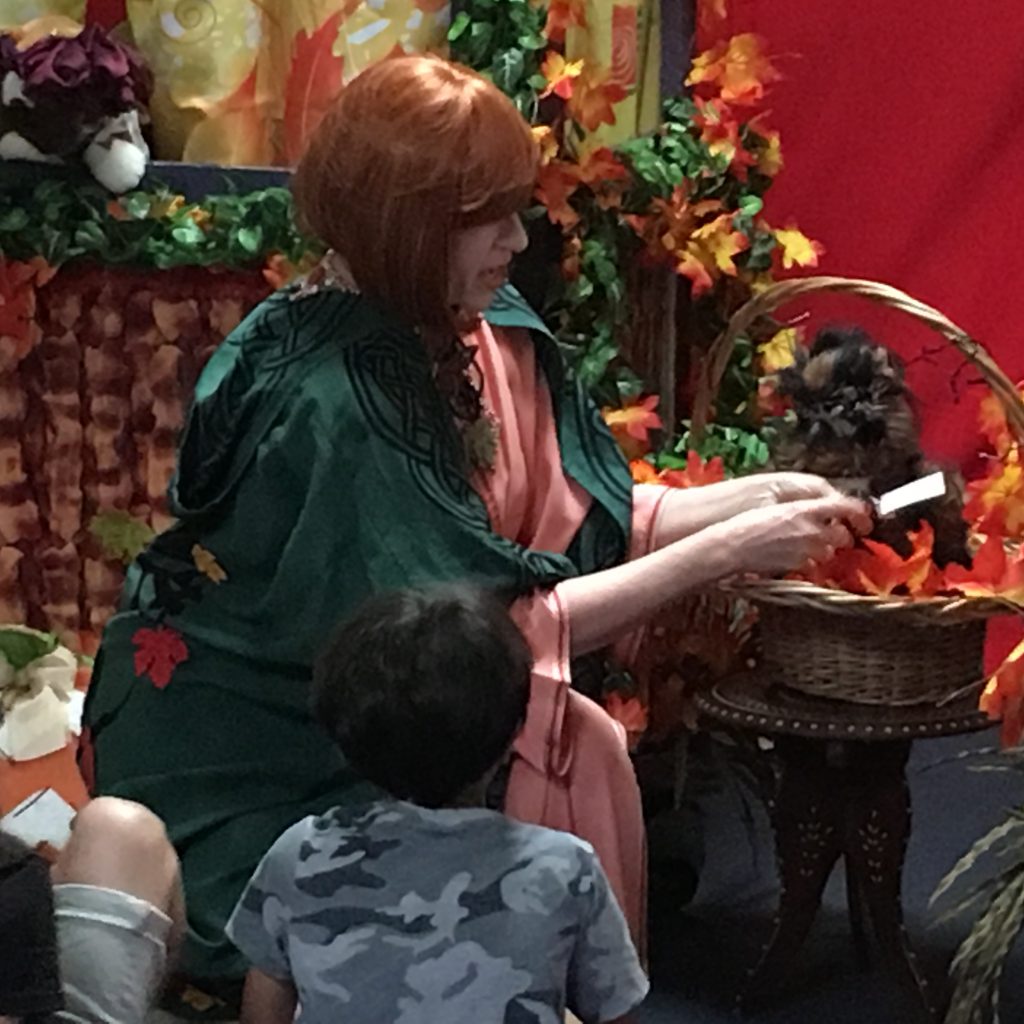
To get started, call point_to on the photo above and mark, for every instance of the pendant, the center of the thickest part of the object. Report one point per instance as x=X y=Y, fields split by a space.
x=480 y=439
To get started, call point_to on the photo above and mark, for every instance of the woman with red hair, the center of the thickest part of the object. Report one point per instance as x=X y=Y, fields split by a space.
x=401 y=418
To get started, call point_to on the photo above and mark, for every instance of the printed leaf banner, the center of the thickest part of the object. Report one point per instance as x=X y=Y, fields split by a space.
x=619 y=41
x=246 y=81
x=315 y=78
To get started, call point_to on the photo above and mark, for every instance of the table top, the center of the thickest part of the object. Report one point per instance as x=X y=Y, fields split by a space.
x=759 y=703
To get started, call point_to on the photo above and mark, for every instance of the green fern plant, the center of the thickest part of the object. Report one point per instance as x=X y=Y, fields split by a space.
x=996 y=900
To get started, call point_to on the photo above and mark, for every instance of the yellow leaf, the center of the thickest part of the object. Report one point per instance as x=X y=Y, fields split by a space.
x=779 y=351
x=997 y=501
x=718 y=242
x=632 y=424
x=165 y=206
x=769 y=160
x=1003 y=697
x=546 y=143
x=797 y=249
x=736 y=68
x=207 y=564
x=593 y=103
x=695 y=269
x=992 y=423
x=198 y=1000
x=201 y=217
x=560 y=74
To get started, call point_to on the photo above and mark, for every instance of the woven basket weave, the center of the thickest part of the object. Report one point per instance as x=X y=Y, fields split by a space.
x=865 y=649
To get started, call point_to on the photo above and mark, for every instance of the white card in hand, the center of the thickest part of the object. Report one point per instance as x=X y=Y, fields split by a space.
x=925 y=489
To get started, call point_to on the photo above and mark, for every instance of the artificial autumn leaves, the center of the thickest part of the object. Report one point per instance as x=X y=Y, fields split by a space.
x=872 y=568
x=996 y=501
x=697 y=235
x=631 y=426
x=995 y=511
x=158 y=652
x=591 y=95
x=877 y=570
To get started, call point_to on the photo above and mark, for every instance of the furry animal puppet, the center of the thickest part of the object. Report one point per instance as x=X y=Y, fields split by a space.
x=853 y=421
x=68 y=93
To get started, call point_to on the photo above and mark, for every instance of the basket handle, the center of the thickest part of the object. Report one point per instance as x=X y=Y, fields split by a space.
x=782 y=292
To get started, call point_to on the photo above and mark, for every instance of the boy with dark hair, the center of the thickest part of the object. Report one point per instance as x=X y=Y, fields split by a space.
x=423 y=907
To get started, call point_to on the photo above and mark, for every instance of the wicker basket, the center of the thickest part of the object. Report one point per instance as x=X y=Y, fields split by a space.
x=864 y=649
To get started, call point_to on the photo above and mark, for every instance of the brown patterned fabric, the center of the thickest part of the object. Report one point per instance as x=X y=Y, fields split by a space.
x=89 y=420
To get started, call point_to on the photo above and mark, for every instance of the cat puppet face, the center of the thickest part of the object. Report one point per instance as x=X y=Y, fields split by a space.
x=852 y=420
x=852 y=417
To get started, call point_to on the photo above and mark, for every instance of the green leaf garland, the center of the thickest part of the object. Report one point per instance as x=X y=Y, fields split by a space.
x=63 y=222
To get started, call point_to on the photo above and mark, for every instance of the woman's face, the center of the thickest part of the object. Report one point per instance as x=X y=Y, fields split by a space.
x=480 y=260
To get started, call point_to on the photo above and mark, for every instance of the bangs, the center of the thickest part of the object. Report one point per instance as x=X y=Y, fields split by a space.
x=500 y=161
x=497 y=207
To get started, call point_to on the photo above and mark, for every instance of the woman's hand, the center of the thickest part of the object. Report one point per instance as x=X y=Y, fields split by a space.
x=783 y=537
x=779 y=488
x=686 y=512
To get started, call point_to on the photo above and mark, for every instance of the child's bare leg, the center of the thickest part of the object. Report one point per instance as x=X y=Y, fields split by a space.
x=120 y=845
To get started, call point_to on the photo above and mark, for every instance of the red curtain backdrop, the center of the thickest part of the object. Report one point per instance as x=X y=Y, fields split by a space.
x=903 y=134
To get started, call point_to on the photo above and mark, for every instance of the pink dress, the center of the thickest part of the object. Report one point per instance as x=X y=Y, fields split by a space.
x=573 y=770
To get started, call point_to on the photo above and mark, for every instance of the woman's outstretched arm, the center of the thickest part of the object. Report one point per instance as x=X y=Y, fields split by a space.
x=603 y=606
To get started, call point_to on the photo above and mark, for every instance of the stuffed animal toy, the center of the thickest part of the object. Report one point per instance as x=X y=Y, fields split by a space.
x=68 y=93
x=852 y=420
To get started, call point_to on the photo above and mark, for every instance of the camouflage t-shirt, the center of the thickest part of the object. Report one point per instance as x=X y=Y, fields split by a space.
x=396 y=914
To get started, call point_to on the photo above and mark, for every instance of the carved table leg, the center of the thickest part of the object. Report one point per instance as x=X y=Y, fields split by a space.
x=876 y=833
x=855 y=908
x=807 y=821
x=835 y=799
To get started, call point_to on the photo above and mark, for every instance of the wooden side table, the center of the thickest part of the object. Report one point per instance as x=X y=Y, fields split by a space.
x=842 y=792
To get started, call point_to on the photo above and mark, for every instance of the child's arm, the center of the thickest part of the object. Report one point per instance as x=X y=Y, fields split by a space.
x=259 y=929
x=605 y=982
x=267 y=1000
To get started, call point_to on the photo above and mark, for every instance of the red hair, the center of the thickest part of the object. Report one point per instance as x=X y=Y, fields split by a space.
x=413 y=149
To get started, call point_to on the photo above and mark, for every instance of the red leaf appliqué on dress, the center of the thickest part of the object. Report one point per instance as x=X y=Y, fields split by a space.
x=158 y=652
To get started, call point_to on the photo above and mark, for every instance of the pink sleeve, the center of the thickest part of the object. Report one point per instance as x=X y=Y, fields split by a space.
x=647 y=504
x=544 y=622
x=573 y=770
x=647 y=501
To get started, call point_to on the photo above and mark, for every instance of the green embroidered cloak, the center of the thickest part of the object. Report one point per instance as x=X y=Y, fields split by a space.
x=319 y=464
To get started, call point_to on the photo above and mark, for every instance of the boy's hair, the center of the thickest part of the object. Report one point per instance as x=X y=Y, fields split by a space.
x=424 y=691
